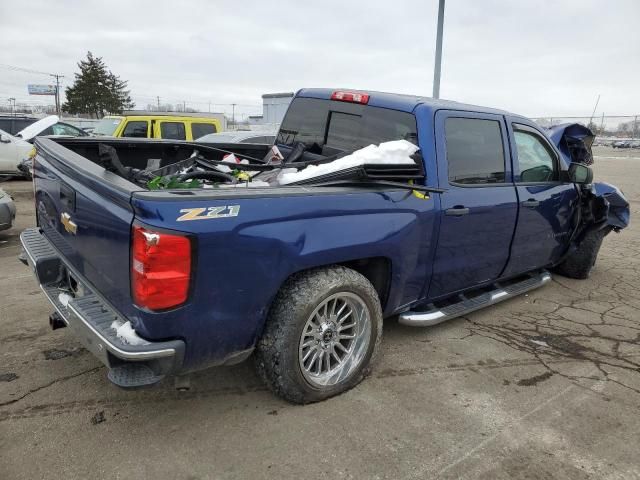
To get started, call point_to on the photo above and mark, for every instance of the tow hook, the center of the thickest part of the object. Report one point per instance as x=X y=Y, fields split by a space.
x=56 y=322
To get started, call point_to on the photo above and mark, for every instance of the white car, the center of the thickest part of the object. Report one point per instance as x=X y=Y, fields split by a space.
x=12 y=151
x=15 y=148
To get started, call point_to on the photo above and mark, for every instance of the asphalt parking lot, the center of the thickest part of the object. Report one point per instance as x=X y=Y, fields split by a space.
x=545 y=385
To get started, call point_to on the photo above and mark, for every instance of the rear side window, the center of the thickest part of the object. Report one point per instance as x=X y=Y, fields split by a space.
x=475 y=152
x=201 y=129
x=172 y=130
x=136 y=129
x=343 y=126
x=64 y=129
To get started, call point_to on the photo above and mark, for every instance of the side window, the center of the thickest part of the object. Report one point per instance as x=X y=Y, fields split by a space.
x=475 y=152
x=136 y=129
x=537 y=163
x=172 y=130
x=201 y=129
x=63 y=129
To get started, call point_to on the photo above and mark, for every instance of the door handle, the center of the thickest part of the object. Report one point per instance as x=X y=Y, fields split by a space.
x=456 y=211
x=531 y=203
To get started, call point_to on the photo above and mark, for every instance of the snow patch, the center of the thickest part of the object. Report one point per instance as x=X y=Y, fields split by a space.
x=64 y=299
x=126 y=333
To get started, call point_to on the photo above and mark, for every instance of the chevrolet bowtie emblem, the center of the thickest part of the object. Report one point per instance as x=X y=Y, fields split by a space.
x=69 y=226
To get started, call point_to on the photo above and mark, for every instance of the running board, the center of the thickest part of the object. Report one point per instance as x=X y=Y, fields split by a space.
x=435 y=315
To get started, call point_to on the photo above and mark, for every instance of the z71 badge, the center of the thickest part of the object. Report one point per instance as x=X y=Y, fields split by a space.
x=208 y=213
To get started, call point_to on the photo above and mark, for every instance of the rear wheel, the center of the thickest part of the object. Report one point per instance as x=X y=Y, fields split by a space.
x=580 y=263
x=322 y=333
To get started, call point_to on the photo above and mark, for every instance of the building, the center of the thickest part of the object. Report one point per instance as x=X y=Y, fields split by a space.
x=274 y=106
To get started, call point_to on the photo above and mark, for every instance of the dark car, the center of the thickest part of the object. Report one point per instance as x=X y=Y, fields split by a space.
x=13 y=124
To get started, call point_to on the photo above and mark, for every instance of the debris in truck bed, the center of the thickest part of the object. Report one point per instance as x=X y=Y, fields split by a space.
x=396 y=152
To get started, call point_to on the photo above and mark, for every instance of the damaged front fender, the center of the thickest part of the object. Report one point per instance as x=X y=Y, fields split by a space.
x=611 y=205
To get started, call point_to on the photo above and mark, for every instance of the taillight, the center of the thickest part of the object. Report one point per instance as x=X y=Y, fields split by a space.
x=353 y=97
x=160 y=269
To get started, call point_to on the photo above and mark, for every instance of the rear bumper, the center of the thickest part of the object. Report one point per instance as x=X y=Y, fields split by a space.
x=90 y=316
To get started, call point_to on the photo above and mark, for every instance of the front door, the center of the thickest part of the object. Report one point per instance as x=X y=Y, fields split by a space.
x=547 y=205
x=479 y=208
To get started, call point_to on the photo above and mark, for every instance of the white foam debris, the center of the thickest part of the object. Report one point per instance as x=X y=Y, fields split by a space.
x=397 y=152
x=126 y=333
x=540 y=343
x=258 y=184
x=64 y=299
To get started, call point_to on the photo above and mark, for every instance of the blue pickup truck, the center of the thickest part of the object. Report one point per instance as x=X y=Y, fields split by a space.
x=165 y=281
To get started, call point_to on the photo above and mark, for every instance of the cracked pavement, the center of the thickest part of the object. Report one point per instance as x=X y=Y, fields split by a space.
x=546 y=385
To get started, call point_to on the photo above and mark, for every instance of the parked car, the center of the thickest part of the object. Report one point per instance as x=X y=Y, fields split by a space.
x=7 y=211
x=14 y=150
x=621 y=144
x=12 y=124
x=244 y=136
x=158 y=281
x=173 y=127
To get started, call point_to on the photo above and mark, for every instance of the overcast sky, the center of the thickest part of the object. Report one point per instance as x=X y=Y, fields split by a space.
x=533 y=57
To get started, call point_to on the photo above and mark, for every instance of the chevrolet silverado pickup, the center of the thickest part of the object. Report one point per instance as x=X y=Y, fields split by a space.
x=166 y=257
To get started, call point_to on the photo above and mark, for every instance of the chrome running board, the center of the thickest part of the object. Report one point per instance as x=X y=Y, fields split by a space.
x=500 y=292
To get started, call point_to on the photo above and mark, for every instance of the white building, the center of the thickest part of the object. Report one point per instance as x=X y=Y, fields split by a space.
x=274 y=106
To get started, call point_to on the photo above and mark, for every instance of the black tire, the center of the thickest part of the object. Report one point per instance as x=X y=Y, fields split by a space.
x=580 y=263
x=277 y=354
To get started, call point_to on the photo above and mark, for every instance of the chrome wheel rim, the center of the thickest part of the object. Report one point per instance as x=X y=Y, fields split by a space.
x=334 y=340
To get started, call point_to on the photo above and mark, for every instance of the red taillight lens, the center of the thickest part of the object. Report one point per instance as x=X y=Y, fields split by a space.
x=353 y=97
x=160 y=269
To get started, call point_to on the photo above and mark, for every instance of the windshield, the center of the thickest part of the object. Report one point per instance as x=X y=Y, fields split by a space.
x=343 y=126
x=107 y=126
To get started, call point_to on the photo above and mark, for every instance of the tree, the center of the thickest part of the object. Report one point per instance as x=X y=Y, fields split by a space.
x=96 y=90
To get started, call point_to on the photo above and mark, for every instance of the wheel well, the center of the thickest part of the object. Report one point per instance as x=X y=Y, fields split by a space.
x=377 y=270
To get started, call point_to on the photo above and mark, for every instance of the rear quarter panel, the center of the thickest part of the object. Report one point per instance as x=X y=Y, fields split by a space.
x=243 y=261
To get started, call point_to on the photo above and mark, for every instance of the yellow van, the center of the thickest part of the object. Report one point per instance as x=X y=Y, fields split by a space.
x=173 y=127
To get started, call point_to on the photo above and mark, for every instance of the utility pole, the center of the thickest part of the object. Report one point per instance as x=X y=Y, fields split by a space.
x=594 y=109
x=57 y=77
x=184 y=106
x=233 y=115
x=158 y=99
x=12 y=102
x=436 y=68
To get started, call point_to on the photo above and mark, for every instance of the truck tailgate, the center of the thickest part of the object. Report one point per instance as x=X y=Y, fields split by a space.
x=85 y=213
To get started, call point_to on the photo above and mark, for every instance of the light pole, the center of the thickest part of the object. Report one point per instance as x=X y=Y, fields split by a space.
x=436 y=68
x=12 y=102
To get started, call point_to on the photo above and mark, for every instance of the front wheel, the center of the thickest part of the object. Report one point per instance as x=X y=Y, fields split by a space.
x=321 y=336
x=580 y=262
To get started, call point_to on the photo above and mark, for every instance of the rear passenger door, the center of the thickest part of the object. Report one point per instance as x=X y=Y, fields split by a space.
x=547 y=205
x=479 y=208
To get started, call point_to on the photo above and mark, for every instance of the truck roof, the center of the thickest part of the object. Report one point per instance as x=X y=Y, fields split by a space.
x=398 y=101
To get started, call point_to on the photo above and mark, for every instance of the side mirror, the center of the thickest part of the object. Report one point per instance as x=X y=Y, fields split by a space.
x=4 y=139
x=580 y=173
